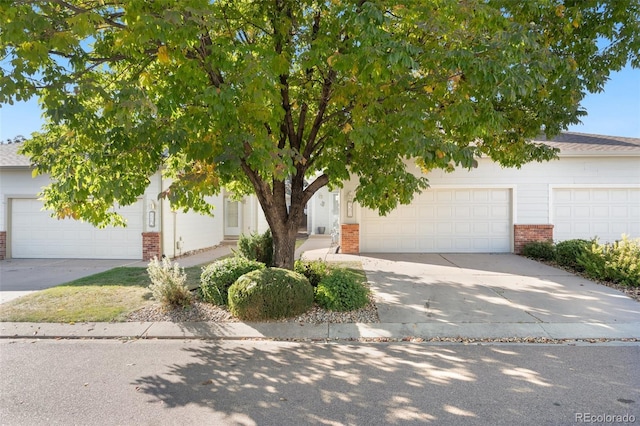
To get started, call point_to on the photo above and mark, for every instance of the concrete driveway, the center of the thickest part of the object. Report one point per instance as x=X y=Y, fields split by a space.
x=439 y=293
x=22 y=276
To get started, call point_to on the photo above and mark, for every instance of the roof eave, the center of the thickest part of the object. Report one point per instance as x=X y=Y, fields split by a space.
x=598 y=154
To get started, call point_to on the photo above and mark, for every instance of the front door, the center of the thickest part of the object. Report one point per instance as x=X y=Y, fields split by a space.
x=232 y=217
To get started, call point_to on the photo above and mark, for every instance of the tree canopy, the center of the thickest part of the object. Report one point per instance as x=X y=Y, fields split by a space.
x=257 y=96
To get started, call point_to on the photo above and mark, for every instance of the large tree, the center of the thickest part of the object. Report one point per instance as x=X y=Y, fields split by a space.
x=259 y=96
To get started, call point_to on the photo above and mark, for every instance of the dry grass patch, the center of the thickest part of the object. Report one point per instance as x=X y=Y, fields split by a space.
x=76 y=304
x=104 y=297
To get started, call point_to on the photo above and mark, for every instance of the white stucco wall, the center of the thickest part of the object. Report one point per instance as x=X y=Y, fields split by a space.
x=186 y=232
x=320 y=211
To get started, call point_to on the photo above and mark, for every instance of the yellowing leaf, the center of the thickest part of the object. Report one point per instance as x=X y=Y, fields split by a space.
x=560 y=10
x=163 y=55
x=332 y=59
x=428 y=89
x=347 y=128
x=145 y=79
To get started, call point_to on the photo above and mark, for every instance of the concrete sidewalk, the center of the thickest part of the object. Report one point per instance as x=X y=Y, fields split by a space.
x=428 y=296
x=325 y=331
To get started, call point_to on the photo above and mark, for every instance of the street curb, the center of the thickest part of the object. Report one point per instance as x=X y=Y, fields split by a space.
x=324 y=331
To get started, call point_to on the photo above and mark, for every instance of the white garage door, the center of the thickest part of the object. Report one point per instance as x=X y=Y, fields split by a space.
x=443 y=220
x=35 y=234
x=606 y=213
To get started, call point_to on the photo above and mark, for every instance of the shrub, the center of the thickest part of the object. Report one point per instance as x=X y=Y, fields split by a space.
x=618 y=262
x=216 y=278
x=341 y=291
x=270 y=293
x=567 y=253
x=314 y=270
x=258 y=247
x=168 y=283
x=539 y=250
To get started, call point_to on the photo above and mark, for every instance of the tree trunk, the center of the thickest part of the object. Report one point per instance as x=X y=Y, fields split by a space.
x=284 y=243
x=284 y=226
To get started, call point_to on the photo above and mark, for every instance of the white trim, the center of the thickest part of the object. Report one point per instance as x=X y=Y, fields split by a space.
x=478 y=186
x=595 y=185
x=583 y=154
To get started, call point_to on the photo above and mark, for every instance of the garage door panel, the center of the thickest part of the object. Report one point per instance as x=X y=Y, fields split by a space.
x=425 y=228
x=35 y=234
x=620 y=213
x=445 y=220
x=426 y=212
x=425 y=245
x=463 y=196
x=500 y=196
x=601 y=211
x=481 y=228
x=500 y=212
x=444 y=213
x=444 y=228
x=581 y=196
x=480 y=211
x=408 y=228
x=463 y=212
x=481 y=196
x=443 y=196
x=589 y=212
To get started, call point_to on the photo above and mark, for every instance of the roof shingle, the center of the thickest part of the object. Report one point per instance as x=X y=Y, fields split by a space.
x=575 y=143
x=9 y=156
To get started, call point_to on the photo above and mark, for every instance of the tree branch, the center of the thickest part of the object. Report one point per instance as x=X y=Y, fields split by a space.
x=322 y=107
x=288 y=125
x=78 y=10
x=215 y=76
x=320 y=181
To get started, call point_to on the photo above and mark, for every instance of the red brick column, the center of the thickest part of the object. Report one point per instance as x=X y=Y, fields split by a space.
x=151 y=246
x=350 y=238
x=523 y=234
x=3 y=244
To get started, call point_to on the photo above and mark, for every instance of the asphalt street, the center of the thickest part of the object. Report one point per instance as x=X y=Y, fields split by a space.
x=257 y=382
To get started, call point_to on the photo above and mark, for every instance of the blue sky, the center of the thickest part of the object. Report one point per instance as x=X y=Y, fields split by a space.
x=614 y=112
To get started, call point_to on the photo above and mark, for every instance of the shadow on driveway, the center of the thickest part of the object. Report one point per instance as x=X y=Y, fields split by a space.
x=488 y=288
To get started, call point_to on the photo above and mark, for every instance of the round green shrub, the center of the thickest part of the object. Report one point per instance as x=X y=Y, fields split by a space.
x=341 y=290
x=543 y=250
x=314 y=270
x=270 y=293
x=257 y=247
x=217 y=277
x=568 y=252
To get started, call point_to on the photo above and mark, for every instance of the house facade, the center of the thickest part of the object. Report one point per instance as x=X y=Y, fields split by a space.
x=153 y=227
x=591 y=190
